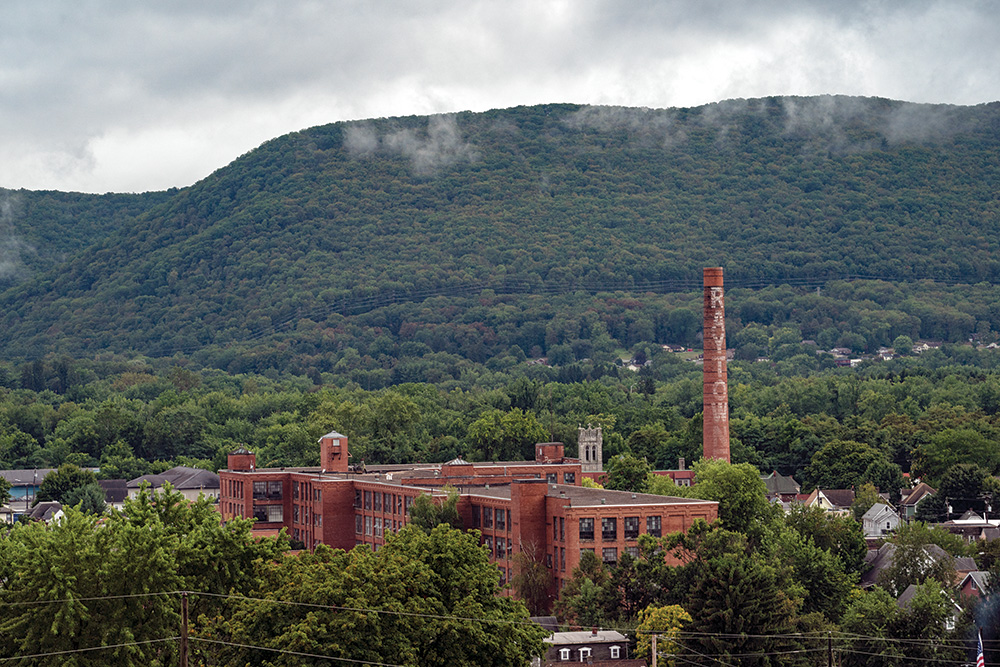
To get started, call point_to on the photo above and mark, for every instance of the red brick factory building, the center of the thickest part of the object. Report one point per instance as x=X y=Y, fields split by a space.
x=537 y=507
x=534 y=506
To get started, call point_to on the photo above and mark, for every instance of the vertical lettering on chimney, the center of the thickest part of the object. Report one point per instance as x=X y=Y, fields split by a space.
x=715 y=393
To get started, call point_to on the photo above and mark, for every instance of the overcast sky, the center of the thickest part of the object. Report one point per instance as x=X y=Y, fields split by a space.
x=101 y=96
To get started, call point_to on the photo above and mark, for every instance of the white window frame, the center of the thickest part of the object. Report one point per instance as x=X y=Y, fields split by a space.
x=585 y=654
x=564 y=654
x=615 y=652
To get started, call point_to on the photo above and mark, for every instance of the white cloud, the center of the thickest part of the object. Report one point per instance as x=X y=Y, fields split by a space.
x=102 y=96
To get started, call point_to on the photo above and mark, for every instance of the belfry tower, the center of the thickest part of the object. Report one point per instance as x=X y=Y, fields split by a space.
x=590 y=442
x=715 y=438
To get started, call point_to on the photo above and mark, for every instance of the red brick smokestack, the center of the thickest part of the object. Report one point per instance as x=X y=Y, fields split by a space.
x=715 y=439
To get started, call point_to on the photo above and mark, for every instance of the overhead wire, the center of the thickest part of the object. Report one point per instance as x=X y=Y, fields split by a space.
x=684 y=648
x=300 y=654
x=90 y=649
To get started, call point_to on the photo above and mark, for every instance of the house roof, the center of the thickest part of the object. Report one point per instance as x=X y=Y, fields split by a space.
x=880 y=559
x=840 y=498
x=877 y=510
x=333 y=434
x=780 y=484
x=916 y=494
x=903 y=601
x=115 y=490
x=965 y=564
x=44 y=511
x=181 y=478
x=30 y=477
x=550 y=623
x=586 y=637
x=981 y=578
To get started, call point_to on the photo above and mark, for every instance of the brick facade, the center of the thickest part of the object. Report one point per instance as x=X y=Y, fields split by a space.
x=533 y=507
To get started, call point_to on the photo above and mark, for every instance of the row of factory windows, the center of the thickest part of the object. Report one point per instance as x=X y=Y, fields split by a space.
x=232 y=488
x=496 y=518
x=377 y=501
x=317 y=494
x=376 y=526
x=609 y=528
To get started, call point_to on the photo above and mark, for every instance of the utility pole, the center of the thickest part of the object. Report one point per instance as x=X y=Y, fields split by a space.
x=654 y=650
x=829 y=649
x=184 y=630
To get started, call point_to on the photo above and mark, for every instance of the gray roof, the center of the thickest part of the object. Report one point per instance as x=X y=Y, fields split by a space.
x=778 y=483
x=586 y=637
x=334 y=434
x=32 y=476
x=877 y=509
x=882 y=558
x=965 y=564
x=981 y=578
x=45 y=510
x=181 y=478
x=115 y=490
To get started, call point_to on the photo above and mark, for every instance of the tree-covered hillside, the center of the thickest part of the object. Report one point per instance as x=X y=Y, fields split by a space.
x=513 y=232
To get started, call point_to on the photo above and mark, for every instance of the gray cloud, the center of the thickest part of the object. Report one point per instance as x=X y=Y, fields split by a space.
x=104 y=96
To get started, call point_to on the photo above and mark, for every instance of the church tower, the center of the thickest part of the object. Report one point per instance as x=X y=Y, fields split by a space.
x=590 y=442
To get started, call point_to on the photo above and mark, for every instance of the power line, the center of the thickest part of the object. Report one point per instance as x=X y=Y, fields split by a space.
x=295 y=653
x=411 y=614
x=88 y=599
x=90 y=649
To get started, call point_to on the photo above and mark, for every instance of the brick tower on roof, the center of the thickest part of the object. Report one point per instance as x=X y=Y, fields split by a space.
x=715 y=439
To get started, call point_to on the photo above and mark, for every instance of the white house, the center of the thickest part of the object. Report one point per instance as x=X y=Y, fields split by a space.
x=879 y=520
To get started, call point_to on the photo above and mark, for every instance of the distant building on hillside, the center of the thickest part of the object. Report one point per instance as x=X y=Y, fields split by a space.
x=190 y=482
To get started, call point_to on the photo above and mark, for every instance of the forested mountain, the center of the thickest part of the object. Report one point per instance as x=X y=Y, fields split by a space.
x=548 y=230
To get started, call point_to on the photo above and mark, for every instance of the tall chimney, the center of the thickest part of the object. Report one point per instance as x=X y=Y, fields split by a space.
x=715 y=438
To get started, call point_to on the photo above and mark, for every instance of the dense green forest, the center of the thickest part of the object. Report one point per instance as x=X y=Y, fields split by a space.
x=835 y=428
x=397 y=250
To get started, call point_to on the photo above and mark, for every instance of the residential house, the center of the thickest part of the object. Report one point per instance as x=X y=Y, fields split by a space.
x=838 y=501
x=879 y=521
x=910 y=497
x=115 y=492
x=47 y=511
x=879 y=560
x=594 y=647
x=974 y=584
x=781 y=487
x=190 y=482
